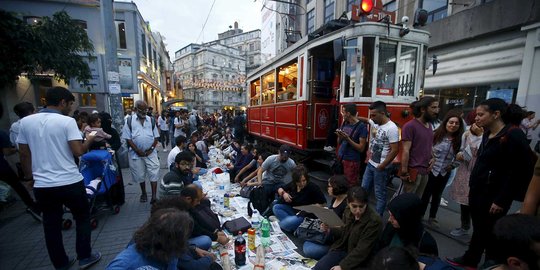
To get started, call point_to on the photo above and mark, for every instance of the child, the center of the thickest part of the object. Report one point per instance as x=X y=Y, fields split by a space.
x=94 y=124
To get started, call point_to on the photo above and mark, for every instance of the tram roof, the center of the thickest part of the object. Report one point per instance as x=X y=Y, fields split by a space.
x=416 y=36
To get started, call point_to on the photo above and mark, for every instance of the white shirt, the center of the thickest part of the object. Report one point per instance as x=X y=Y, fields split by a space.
x=163 y=125
x=47 y=135
x=142 y=135
x=172 y=155
x=14 y=132
x=380 y=139
x=179 y=131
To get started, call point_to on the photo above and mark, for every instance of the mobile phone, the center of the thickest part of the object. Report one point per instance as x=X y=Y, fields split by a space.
x=93 y=133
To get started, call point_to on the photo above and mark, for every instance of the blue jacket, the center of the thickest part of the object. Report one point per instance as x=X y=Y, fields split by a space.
x=131 y=258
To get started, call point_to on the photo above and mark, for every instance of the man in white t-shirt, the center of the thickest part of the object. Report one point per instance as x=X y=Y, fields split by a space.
x=142 y=137
x=180 y=124
x=180 y=145
x=48 y=141
x=383 y=148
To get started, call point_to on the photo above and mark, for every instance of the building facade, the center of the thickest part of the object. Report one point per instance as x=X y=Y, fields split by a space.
x=212 y=75
x=143 y=61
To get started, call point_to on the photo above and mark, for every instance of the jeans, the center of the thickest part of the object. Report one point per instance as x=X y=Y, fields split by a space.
x=9 y=177
x=330 y=260
x=434 y=189
x=378 y=179
x=288 y=220
x=314 y=250
x=201 y=241
x=51 y=201
x=164 y=138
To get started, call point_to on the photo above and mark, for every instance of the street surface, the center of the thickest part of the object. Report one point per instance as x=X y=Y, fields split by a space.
x=22 y=244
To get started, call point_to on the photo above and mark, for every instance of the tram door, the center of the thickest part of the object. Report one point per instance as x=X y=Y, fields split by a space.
x=324 y=77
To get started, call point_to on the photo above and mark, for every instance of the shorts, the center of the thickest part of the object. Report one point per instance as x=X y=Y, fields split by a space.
x=144 y=168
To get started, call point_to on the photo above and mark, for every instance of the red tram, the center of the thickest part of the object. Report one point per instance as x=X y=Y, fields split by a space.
x=290 y=99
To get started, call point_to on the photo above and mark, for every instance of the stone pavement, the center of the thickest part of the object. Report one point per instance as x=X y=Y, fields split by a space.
x=22 y=243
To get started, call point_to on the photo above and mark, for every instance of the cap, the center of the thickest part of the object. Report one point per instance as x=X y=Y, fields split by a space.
x=285 y=150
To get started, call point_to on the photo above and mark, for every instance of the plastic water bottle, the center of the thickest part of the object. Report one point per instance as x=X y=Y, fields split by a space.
x=255 y=220
x=265 y=233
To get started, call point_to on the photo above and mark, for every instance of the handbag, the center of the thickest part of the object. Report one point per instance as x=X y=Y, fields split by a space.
x=310 y=230
x=246 y=191
x=237 y=225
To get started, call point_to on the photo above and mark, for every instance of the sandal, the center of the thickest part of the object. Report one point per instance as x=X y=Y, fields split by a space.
x=143 y=198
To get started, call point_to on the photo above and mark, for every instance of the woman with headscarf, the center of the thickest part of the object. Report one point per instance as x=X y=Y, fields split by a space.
x=404 y=227
x=106 y=125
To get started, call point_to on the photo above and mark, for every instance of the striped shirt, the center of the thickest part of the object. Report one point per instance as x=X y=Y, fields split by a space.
x=443 y=153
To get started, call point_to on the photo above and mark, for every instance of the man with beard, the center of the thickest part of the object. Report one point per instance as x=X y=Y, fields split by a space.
x=417 y=138
x=141 y=134
x=48 y=140
x=277 y=172
x=180 y=175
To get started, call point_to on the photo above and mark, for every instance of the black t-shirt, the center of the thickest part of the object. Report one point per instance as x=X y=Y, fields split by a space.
x=340 y=208
x=311 y=194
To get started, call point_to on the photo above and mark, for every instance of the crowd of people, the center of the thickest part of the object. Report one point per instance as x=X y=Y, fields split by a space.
x=486 y=158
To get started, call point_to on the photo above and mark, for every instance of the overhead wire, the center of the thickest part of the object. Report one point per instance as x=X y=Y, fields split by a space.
x=205 y=21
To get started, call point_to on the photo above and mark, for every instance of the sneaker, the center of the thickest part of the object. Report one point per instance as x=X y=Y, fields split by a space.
x=434 y=223
x=35 y=214
x=165 y=150
x=460 y=262
x=71 y=261
x=459 y=232
x=272 y=218
x=329 y=149
x=85 y=263
x=444 y=202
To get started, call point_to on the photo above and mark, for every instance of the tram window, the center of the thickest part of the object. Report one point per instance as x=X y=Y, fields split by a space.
x=350 y=69
x=287 y=82
x=268 y=88
x=255 y=93
x=368 y=52
x=407 y=71
x=386 y=71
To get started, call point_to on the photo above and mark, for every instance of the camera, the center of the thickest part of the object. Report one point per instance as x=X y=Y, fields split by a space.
x=404 y=20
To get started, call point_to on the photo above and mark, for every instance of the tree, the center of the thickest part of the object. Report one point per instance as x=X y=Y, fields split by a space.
x=55 y=45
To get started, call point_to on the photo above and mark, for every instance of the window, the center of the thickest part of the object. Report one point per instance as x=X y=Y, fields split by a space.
x=155 y=58
x=350 y=69
x=121 y=35
x=150 y=52
x=349 y=4
x=407 y=70
x=437 y=9
x=32 y=19
x=251 y=60
x=328 y=10
x=81 y=24
x=386 y=71
x=310 y=26
x=87 y=100
x=368 y=55
x=143 y=42
x=251 y=47
x=390 y=6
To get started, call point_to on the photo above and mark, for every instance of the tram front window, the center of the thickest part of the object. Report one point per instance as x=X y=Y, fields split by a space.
x=407 y=70
x=386 y=71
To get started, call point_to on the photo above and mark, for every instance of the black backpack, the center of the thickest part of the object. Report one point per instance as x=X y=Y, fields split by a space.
x=258 y=200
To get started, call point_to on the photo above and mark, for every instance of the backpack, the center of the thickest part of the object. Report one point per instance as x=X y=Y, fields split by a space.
x=524 y=172
x=258 y=199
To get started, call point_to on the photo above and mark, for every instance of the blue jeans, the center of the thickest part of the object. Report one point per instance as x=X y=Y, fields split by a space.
x=288 y=220
x=314 y=250
x=373 y=176
x=201 y=241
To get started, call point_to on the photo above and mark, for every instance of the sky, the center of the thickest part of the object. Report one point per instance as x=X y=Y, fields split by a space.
x=181 y=21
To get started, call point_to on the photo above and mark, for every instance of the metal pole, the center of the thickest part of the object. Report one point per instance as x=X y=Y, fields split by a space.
x=111 y=64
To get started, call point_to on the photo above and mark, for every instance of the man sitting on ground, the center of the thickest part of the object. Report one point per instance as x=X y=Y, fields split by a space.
x=180 y=175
